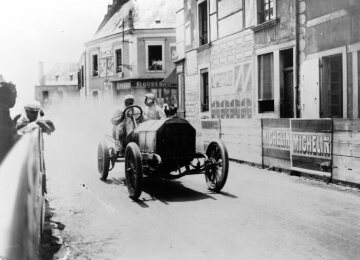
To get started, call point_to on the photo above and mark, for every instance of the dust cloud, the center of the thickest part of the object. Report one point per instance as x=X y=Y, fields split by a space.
x=79 y=127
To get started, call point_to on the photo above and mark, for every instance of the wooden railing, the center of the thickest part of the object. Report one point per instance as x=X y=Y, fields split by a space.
x=22 y=188
x=324 y=147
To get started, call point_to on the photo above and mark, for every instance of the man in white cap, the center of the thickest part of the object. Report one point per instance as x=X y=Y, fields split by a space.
x=152 y=111
x=31 y=114
x=31 y=118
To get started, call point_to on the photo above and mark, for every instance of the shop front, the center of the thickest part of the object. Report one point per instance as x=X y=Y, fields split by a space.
x=166 y=93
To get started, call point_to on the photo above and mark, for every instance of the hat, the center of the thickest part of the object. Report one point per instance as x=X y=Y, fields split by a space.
x=150 y=96
x=129 y=97
x=32 y=106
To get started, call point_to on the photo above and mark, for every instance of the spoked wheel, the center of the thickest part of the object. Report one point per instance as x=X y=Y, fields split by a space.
x=103 y=160
x=217 y=174
x=133 y=170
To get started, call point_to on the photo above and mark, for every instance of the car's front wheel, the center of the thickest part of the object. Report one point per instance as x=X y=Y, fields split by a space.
x=103 y=160
x=133 y=170
x=217 y=174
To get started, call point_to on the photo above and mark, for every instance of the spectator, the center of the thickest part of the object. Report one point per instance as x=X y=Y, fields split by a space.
x=31 y=118
x=167 y=110
x=8 y=135
x=173 y=110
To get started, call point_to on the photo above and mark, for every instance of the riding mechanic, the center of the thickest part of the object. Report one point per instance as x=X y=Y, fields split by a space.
x=152 y=111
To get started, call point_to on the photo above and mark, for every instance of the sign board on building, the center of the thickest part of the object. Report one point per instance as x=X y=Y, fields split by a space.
x=210 y=130
x=311 y=146
x=149 y=84
x=106 y=52
x=123 y=85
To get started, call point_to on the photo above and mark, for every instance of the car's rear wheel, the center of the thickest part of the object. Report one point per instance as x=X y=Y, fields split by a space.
x=133 y=170
x=217 y=174
x=103 y=160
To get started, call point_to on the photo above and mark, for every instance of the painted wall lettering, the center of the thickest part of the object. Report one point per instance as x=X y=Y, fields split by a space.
x=312 y=144
x=278 y=138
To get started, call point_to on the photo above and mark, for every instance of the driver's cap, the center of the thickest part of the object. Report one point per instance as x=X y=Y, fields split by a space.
x=32 y=106
x=127 y=97
x=150 y=96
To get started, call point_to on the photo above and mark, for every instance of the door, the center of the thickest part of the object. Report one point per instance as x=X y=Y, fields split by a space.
x=287 y=110
x=331 y=98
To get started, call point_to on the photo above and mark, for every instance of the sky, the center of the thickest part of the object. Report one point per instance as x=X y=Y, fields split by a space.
x=44 y=30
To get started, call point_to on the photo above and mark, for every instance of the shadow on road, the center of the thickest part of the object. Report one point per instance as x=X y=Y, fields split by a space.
x=50 y=243
x=171 y=191
x=119 y=181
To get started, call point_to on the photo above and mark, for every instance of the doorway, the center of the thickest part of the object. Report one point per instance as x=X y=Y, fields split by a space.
x=286 y=84
x=331 y=94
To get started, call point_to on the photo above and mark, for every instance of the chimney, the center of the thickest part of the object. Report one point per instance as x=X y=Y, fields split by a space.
x=41 y=73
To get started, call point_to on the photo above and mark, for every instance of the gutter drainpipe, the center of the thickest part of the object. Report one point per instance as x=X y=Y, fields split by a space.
x=297 y=61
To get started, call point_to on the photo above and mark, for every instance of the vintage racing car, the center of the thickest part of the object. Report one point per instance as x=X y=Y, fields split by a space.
x=165 y=149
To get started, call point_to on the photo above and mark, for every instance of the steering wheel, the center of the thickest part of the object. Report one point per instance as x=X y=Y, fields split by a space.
x=134 y=113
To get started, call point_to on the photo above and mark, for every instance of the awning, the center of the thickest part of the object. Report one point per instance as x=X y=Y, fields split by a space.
x=170 y=78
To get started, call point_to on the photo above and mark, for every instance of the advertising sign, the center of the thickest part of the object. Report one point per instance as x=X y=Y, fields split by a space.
x=276 y=138
x=311 y=146
x=210 y=130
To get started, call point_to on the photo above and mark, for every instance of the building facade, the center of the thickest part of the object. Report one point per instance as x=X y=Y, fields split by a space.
x=58 y=85
x=276 y=80
x=268 y=58
x=133 y=50
x=240 y=58
x=329 y=48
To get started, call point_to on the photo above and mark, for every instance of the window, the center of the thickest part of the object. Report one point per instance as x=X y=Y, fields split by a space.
x=56 y=77
x=95 y=66
x=45 y=95
x=331 y=103
x=266 y=10
x=71 y=77
x=155 y=57
x=82 y=76
x=203 y=23
x=204 y=90
x=266 y=83
x=118 y=54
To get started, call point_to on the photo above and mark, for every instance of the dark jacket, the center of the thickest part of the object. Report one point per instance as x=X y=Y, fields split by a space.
x=7 y=132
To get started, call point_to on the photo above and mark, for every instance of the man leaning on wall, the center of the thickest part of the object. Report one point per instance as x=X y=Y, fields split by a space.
x=7 y=128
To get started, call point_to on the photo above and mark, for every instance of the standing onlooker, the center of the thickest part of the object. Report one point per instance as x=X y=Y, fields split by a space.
x=173 y=110
x=7 y=128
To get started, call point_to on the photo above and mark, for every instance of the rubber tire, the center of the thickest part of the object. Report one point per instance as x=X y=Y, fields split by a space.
x=103 y=160
x=133 y=170
x=217 y=184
